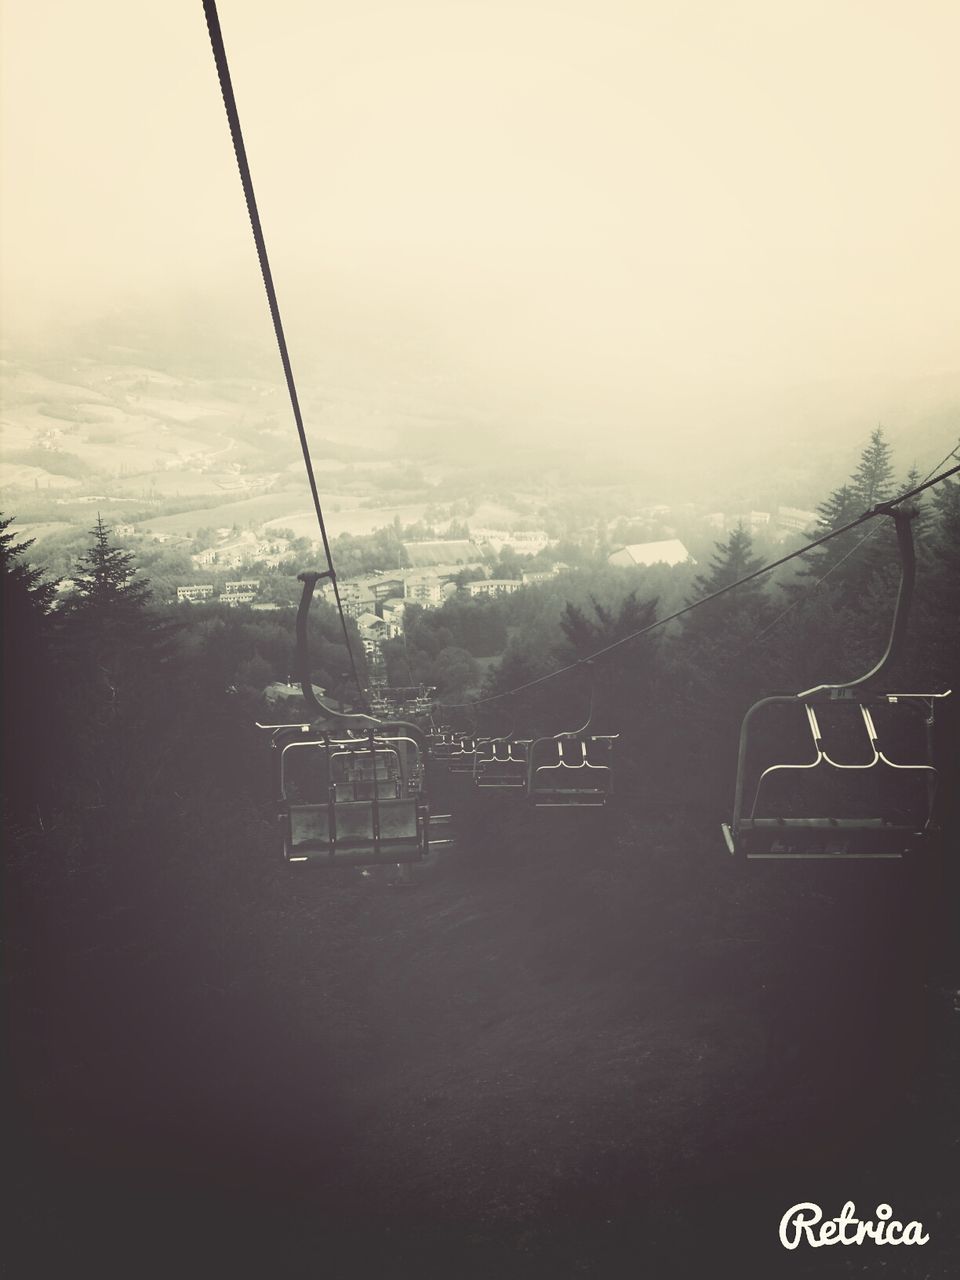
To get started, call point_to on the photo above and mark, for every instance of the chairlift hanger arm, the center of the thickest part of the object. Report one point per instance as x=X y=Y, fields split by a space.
x=584 y=728
x=349 y=720
x=903 y=518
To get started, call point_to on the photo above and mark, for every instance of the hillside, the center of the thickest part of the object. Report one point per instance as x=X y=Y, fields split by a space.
x=602 y=1048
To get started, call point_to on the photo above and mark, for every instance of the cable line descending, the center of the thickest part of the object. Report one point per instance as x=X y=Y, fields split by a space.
x=233 y=118
x=881 y=509
x=843 y=560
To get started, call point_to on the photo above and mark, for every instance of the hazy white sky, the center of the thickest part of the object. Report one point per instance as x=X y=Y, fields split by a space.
x=618 y=193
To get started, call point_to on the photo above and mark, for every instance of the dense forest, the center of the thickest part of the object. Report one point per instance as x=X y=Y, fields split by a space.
x=209 y=1069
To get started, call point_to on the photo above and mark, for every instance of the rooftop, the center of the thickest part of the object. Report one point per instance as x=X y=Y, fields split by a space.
x=669 y=551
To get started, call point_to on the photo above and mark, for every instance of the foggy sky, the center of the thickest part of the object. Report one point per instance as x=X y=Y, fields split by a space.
x=574 y=197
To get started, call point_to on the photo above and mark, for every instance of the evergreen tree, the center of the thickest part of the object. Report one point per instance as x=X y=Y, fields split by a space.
x=109 y=637
x=29 y=689
x=733 y=560
x=740 y=609
x=940 y=601
x=839 y=509
x=855 y=559
x=921 y=523
x=586 y=635
x=717 y=634
x=872 y=482
x=105 y=583
x=19 y=579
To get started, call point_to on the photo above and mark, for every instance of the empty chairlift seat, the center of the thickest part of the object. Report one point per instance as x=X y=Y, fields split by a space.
x=463 y=754
x=860 y=781
x=571 y=769
x=855 y=795
x=369 y=814
x=501 y=764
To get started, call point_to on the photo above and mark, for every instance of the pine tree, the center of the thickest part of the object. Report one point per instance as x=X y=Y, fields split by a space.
x=105 y=580
x=940 y=601
x=732 y=560
x=854 y=560
x=19 y=578
x=840 y=508
x=29 y=692
x=872 y=482
x=739 y=611
x=106 y=629
x=921 y=523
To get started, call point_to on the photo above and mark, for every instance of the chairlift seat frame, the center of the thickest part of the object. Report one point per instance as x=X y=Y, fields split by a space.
x=370 y=815
x=775 y=837
x=502 y=764
x=833 y=836
x=570 y=778
x=360 y=824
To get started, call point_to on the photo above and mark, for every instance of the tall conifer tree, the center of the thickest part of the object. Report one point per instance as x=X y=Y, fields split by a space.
x=740 y=611
x=29 y=696
x=872 y=482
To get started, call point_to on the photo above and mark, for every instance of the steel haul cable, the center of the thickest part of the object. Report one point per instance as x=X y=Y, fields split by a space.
x=881 y=508
x=843 y=559
x=230 y=104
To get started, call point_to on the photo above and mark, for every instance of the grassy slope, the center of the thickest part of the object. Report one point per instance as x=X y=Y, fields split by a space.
x=568 y=1050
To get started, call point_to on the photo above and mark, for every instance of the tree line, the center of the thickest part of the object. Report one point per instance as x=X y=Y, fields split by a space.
x=106 y=682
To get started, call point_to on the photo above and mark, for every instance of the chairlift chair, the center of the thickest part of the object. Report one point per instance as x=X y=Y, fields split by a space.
x=572 y=769
x=759 y=833
x=501 y=764
x=463 y=754
x=440 y=743
x=363 y=810
x=350 y=788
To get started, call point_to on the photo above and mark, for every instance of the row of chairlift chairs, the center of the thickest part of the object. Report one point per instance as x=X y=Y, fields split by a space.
x=358 y=797
x=352 y=789
x=573 y=769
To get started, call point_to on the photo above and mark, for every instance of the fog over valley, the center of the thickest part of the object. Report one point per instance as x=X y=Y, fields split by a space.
x=705 y=249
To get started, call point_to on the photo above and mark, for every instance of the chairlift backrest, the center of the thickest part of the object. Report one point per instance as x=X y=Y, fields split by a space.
x=830 y=827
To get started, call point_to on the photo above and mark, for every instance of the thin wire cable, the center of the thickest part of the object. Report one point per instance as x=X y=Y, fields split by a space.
x=233 y=117
x=836 y=565
x=882 y=508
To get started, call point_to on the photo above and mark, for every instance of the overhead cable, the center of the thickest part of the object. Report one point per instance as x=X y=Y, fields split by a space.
x=881 y=508
x=233 y=117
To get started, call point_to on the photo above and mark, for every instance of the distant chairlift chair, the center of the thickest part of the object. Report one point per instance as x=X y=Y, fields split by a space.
x=371 y=813
x=501 y=763
x=572 y=768
x=352 y=797
x=758 y=833
x=463 y=753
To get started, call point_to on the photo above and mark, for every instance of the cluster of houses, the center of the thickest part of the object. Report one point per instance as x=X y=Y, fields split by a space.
x=377 y=601
x=781 y=522
x=244 y=591
x=242 y=549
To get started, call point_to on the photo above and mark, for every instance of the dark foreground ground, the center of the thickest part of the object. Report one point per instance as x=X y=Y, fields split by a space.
x=573 y=1048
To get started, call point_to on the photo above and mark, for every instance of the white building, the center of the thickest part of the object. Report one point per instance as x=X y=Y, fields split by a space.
x=494 y=586
x=425 y=589
x=795 y=520
x=193 y=594
x=393 y=617
x=523 y=541
x=670 y=552
x=540 y=575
